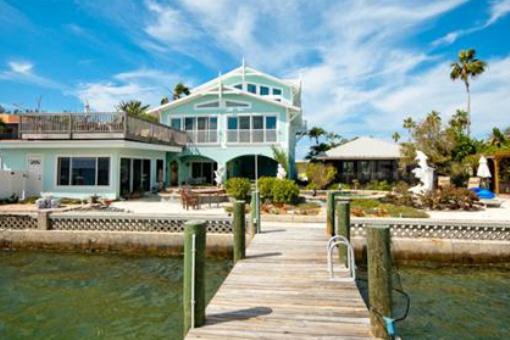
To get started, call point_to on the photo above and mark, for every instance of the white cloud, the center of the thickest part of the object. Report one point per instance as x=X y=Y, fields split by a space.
x=146 y=85
x=21 y=67
x=497 y=10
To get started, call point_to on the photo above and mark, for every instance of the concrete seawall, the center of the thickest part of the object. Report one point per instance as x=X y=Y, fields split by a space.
x=132 y=242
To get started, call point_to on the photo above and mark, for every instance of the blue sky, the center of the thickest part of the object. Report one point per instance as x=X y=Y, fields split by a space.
x=365 y=65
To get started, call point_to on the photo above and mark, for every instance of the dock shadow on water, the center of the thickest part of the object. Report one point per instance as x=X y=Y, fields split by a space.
x=90 y=296
x=453 y=301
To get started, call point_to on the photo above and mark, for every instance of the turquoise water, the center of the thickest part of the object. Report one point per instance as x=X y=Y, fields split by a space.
x=88 y=296
x=457 y=303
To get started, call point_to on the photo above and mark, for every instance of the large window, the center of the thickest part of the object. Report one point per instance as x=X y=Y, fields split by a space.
x=251 y=129
x=175 y=123
x=135 y=175
x=83 y=171
x=200 y=129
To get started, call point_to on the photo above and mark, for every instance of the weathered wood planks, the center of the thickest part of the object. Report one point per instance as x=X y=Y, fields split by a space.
x=282 y=291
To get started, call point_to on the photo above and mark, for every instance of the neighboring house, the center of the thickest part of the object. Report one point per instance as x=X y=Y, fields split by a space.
x=229 y=120
x=364 y=159
x=9 y=128
x=82 y=154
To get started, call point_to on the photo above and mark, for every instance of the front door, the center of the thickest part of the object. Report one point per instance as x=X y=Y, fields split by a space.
x=34 y=175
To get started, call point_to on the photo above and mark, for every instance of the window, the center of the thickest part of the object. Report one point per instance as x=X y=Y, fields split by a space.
x=252 y=88
x=159 y=170
x=208 y=105
x=264 y=90
x=258 y=123
x=238 y=86
x=244 y=122
x=229 y=103
x=175 y=123
x=232 y=123
x=277 y=92
x=83 y=171
x=270 y=122
x=189 y=123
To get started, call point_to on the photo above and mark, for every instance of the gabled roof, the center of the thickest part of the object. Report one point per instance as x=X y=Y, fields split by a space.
x=219 y=90
x=364 y=148
x=295 y=84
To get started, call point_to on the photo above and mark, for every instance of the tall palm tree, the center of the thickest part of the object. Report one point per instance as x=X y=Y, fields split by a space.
x=316 y=133
x=180 y=91
x=133 y=107
x=409 y=124
x=434 y=119
x=465 y=68
x=396 y=136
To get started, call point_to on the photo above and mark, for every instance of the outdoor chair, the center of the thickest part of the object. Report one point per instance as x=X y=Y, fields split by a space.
x=189 y=199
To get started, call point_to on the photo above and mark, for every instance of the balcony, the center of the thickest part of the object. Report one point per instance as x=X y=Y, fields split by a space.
x=88 y=126
x=251 y=136
x=203 y=136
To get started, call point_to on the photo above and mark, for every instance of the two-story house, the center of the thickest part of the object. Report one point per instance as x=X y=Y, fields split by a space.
x=226 y=122
x=230 y=120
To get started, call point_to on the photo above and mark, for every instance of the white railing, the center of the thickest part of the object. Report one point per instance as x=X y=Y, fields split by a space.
x=333 y=243
x=247 y=136
x=203 y=136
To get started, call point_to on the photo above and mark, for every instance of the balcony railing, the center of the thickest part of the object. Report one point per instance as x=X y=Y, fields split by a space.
x=252 y=136
x=203 y=136
x=117 y=125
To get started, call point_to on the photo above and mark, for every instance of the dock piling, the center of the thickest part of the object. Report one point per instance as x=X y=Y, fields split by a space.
x=379 y=277
x=194 y=274
x=239 y=229
x=255 y=213
x=343 y=216
x=330 y=214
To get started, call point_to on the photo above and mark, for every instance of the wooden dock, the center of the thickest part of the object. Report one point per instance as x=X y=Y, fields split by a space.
x=282 y=290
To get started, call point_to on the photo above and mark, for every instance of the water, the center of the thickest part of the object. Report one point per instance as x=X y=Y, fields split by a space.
x=457 y=303
x=88 y=296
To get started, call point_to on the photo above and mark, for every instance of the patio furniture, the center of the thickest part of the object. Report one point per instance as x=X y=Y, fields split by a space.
x=473 y=182
x=189 y=199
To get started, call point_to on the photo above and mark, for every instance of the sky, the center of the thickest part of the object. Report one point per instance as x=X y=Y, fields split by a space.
x=365 y=65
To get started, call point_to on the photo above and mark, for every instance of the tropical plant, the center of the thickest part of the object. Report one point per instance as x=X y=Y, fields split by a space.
x=466 y=67
x=238 y=187
x=135 y=108
x=315 y=133
x=395 y=137
x=285 y=191
x=497 y=138
x=460 y=121
x=164 y=100
x=281 y=157
x=320 y=175
x=180 y=91
x=266 y=185
x=409 y=124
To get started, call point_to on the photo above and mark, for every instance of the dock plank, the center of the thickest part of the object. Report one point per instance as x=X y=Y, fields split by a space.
x=282 y=291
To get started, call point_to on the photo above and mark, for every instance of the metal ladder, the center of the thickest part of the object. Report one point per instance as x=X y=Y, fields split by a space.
x=333 y=243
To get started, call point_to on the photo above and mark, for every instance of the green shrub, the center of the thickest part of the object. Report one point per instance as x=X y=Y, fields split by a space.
x=320 y=175
x=378 y=185
x=285 y=191
x=266 y=185
x=238 y=187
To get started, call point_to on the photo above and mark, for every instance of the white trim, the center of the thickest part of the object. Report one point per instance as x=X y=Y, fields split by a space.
x=86 y=155
x=95 y=144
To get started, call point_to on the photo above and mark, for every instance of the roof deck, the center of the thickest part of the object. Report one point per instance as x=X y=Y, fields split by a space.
x=96 y=126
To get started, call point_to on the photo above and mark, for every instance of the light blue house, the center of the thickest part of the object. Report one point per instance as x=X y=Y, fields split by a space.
x=225 y=122
x=230 y=120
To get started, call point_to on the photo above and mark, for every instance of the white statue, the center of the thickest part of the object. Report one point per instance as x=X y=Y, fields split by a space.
x=424 y=173
x=219 y=175
x=281 y=173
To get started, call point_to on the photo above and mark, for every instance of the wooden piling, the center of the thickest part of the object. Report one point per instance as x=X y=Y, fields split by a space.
x=379 y=277
x=239 y=230
x=255 y=213
x=194 y=274
x=330 y=214
x=343 y=227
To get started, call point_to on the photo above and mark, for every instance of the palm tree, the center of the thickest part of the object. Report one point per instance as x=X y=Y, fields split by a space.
x=180 y=91
x=460 y=120
x=133 y=107
x=409 y=125
x=316 y=133
x=497 y=138
x=396 y=136
x=164 y=100
x=467 y=67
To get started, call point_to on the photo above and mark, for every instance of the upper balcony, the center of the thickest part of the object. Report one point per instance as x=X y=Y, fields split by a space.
x=88 y=126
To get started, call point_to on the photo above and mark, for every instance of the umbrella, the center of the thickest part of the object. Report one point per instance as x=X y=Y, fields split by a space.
x=483 y=170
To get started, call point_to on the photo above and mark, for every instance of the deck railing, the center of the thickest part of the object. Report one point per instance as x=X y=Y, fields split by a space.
x=254 y=136
x=117 y=125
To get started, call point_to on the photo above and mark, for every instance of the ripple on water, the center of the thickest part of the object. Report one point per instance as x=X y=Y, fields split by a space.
x=55 y=296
